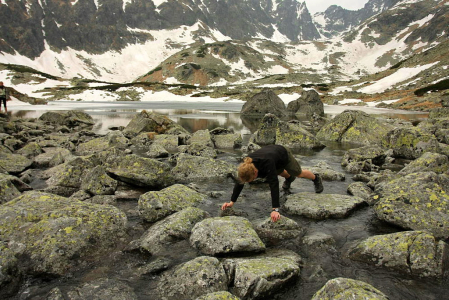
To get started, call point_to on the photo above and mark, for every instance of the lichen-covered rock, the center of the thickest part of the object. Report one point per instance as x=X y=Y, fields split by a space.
x=275 y=232
x=103 y=289
x=156 y=205
x=14 y=163
x=414 y=253
x=225 y=235
x=8 y=265
x=308 y=104
x=140 y=171
x=71 y=118
x=8 y=190
x=157 y=151
x=321 y=206
x=202 y=137
x=410 y=142
x=417 y=201
x=192 y=279
x=175 y=227
x=30 y=150
x=168 y=141
x=149 y=122
x=112 y=139
x=326 y=172
x=373 y=154
x=345 y=288
x=57 y=232
x=190 y=168
x=223 y=295
x=226 y=139
x=263 y=103
x=293 y=135
x=262 y=276
x=428 y=162
x=353 y=126
x=267 y=130
x=197 y=149
x=97 y=182
x=51 y=157
x=362 y=190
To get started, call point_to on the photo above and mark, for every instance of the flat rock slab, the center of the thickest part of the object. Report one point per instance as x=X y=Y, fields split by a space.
x=322 y=206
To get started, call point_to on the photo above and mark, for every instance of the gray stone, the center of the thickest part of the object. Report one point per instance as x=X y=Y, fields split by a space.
x=97 y=182
x=362 y=190
x=156 y=205
x=321 y=206
x=262 y=276
x=14 y=163
x=103 y=289
x=414 y=253
x=272 y=233
x=192 y=279
x=202 y=137
x=308 y=104
x=223 y=295
x=225 y=235
x=417 y=201
x=428 y=162
x=174 y=228
x=326 y=172
x=59 y=233
x=51 y=156
x=263 y=103
x=345 y=288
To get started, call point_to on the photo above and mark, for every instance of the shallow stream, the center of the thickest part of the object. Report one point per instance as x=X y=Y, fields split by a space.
x=254 y=203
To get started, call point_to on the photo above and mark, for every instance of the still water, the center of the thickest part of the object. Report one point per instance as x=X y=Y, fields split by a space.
x=318 y=266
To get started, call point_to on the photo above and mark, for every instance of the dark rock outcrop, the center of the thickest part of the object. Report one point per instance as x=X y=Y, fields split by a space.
x=263 y=103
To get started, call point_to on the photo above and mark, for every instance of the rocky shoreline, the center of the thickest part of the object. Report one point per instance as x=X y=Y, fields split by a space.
x=60 y=180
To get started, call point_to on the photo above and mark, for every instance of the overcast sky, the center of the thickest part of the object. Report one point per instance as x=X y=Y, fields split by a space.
x=321 y=5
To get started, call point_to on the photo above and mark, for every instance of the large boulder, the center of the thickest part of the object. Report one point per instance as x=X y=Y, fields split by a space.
x=225 y=235
x=226 y=139
x=326 y=172
x=263 y=103
x=192 y=279
x=417 y=201
x=346 y=288
x=191 y=168
x=14 y=163
x=174 y=228
x=321 y=206
x=140 y=171
x=262 y=276
x=272 y=130
x=410 y=142
x=156 y=205
x=97 y=182
x=428 y=162
x=368 y=154
x=112 y=139
x=353 y=126
x=202 y=137
x=58 y=233
x=150 y=122
x=413 y=253
x=51 y=157
x=71 y=118
x=272 y=233
x=308 y=104
x=8 y=190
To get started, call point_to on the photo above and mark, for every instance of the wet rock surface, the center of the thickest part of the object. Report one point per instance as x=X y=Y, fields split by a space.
x=116 y=216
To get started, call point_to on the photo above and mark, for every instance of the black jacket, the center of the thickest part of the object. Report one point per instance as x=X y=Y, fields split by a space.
x=269 y=161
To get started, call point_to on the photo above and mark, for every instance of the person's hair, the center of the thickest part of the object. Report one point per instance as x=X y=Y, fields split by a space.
x=246 y=170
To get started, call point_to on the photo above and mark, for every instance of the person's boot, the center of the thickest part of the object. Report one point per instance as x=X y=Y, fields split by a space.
x=288 y=182
x=318 y=183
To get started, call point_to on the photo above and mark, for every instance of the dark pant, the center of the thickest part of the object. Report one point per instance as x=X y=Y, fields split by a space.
x=3 y=101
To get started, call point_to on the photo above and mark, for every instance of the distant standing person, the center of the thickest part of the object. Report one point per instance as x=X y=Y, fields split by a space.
x=269 y=162
x=4 y=96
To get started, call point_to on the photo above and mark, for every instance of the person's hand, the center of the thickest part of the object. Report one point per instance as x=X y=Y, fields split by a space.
x=275 y=216
x=226 y=205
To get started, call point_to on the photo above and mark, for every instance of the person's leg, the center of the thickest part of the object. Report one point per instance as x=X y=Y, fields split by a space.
x=316 y=178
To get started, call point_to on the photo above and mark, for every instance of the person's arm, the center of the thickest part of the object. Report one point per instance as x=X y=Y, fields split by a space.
x=238 y=187
x=273 y=181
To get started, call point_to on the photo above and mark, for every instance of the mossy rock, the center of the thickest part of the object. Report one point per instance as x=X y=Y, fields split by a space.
x=413 y=253
x=293 y=135
x=352 y=126
x=322 y=206
x=58 y=233
x=262 y=276
x=174 y=228
x=417 y=201
x=14 y=163
x=225 y=235
x=223 y=295
x=428 y=162
x=192 y=279
x=156 y=205
x=103 y=289
x=193 y=168
x=140 y=171
x=346 y=288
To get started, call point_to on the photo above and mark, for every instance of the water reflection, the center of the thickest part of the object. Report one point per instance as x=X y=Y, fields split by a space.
x=193 y=116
